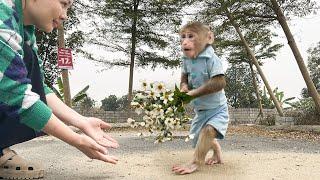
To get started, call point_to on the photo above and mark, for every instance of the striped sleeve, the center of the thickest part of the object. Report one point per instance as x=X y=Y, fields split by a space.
x=16 y=97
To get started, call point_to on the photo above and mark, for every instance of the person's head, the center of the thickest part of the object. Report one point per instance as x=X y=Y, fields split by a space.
x=45 y=14
x=195 y=37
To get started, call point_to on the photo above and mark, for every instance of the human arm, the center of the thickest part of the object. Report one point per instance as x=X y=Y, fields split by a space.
x=214 y=84
x=91 y=126
x=84 y=143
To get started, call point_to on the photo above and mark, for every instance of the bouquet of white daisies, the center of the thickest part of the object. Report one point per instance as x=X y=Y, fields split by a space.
x=162 y=109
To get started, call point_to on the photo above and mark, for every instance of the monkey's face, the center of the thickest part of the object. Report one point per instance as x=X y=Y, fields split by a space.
x=192 y=43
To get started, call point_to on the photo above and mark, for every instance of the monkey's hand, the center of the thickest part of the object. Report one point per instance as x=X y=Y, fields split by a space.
x=184 y=88
x=181 y=98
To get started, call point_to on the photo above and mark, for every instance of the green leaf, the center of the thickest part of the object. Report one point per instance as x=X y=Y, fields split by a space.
x=181 y=98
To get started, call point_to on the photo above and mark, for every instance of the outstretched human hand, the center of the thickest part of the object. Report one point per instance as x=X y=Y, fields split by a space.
x=94 y=128
x=94 y=150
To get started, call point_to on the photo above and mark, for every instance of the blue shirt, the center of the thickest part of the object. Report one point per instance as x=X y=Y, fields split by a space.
x=199 y=71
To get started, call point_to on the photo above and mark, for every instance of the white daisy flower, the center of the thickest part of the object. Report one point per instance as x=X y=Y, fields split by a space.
x=131 y=122
x=138 y=111
x=142 y=124
x=152 y=94
x=139 y=96
x=144 y=84
x=167 y=97
x=135 y=104
x=169 y=122
x=159 y=87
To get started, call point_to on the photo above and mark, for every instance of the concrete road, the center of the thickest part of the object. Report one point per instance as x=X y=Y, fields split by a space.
x=246 y=156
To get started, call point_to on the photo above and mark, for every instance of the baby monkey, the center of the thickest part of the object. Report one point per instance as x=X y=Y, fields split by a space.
x=202 y=77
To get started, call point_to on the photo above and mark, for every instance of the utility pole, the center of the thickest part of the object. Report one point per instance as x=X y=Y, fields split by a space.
x=65 y=75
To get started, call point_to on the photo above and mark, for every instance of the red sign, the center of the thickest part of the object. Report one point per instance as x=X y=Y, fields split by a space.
x=65 y=58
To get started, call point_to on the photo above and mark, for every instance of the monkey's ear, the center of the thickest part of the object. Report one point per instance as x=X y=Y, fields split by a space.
x=210 y=37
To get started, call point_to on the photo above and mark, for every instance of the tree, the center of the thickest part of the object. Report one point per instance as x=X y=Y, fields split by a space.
x=239 y=89
x=272 y=12
x=123 y=103
x=230 y=14
x=304 y=71
x=228 y=45
x=86 y=103
x=110 y=103
x=138 y=31
x=314 y=68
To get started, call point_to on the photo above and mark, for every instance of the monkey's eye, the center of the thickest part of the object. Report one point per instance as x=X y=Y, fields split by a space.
x=190 y=36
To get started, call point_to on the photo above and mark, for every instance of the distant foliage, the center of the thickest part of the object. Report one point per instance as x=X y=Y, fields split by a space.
x=309 y=113
x=110 y=103
x=239 y=90
x=314 y=68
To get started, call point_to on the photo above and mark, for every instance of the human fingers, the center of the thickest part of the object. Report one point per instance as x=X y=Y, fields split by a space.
x=104 y=125
x=90 y=143
x=109 y=144
x=106 y=136
x=109 y=159
x=102 y=156
x=101 y=149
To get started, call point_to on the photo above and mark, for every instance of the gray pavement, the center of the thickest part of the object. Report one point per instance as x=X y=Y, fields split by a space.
x=140 y=158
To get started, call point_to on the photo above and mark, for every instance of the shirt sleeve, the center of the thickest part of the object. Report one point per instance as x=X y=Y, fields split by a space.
x=215 y=66
x=16 y=98
x=183 y=67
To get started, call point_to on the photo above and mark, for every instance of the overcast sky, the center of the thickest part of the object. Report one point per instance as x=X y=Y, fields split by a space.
x=282 y=73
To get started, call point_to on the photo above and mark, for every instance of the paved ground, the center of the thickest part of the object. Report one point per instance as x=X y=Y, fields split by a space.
x=249 y=153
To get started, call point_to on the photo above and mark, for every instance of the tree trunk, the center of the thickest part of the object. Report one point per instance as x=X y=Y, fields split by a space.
x=304 y=71
x=133 y=49
x=255 y=62
x=255 y=85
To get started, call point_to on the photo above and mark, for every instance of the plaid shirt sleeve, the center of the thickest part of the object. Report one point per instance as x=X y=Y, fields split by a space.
x=17 y=101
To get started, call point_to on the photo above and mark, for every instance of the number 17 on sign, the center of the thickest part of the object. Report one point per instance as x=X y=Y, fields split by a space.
x=65 y=58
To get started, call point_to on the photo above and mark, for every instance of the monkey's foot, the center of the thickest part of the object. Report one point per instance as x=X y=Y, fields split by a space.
x=185 y=169
x=215 y=159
